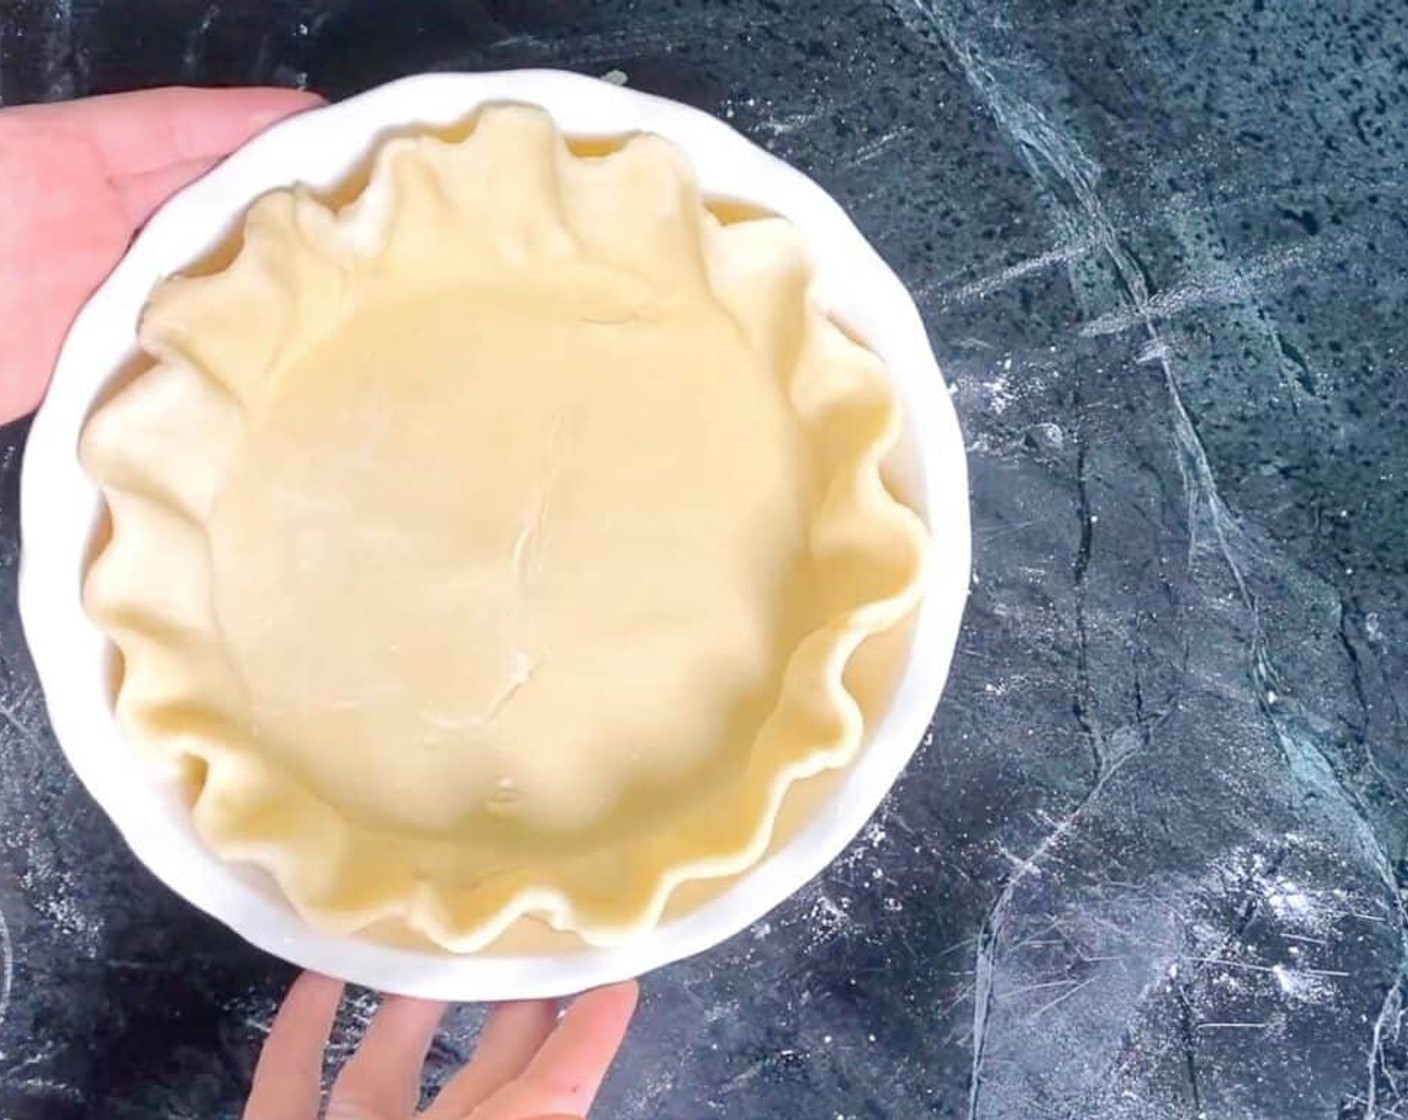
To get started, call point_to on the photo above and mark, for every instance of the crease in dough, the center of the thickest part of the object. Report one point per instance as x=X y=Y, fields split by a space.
x=495 y=544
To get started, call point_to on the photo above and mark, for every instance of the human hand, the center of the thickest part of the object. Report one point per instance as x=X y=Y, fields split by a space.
x=77 y=179
x=529 y=1065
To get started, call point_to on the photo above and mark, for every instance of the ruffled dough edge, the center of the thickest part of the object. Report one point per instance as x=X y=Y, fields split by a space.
x=155 y=451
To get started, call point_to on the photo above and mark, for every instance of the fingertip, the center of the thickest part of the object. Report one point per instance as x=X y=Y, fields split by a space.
x=617 y=1000
x=411 y=1009
x=272 y=103
x=632 y=987
x=260 y=106
x=311 y=1002
x=316 y=983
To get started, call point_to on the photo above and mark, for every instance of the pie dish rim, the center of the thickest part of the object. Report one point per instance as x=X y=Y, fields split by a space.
x=319 y=148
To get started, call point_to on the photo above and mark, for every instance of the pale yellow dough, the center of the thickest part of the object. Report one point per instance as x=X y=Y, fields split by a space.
x=495 y=544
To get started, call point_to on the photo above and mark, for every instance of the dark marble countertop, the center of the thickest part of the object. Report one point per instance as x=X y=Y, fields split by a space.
x=1150 y=861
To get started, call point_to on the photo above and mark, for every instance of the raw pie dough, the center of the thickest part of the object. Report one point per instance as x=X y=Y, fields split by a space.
x=494 y=544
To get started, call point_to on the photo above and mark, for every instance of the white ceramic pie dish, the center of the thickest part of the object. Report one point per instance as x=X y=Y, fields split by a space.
x=61 y=507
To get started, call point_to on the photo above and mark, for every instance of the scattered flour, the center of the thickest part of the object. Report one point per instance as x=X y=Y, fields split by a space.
x=826 y=921
x=1304 y=922
x=1000 y=395
x=1301 y=986
x=1294 y=906
x=54 y=891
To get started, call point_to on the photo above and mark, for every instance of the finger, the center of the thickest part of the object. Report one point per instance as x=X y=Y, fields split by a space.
x=142 y=194
x=564 y=1076
x=134 y=133
x=382 y=1081
x=510 y=1038
x=60 y=232
x=77 y=177
x=288 y=1079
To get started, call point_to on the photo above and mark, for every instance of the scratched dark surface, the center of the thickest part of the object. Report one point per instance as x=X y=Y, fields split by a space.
x=1150 y=862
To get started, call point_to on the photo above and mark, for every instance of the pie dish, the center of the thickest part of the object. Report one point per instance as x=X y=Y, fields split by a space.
x=323 y=150
x=495 y=543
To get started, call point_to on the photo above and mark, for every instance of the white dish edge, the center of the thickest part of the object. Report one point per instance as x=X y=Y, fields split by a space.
x=60 y=507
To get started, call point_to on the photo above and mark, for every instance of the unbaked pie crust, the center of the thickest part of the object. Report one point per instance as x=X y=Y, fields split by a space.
x=494 y=544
